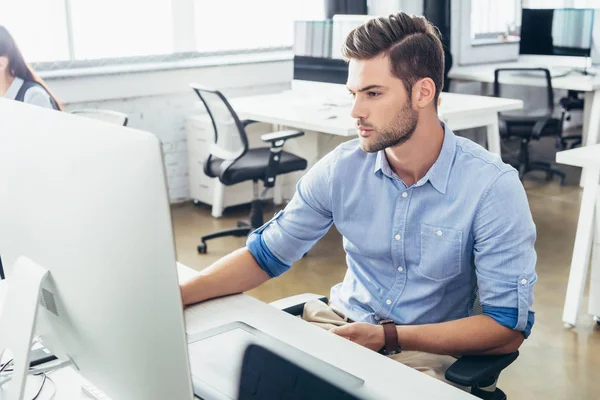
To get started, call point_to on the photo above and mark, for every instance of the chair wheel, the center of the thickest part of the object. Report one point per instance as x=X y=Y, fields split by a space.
x=202 y=248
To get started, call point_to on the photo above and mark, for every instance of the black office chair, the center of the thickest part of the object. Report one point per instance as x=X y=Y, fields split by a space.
x=480 y=373
x=568 y=104
x=233 y=162
x=532 y=123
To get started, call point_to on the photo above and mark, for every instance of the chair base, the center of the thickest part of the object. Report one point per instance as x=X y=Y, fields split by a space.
x=541 y=166
x=495 y=395
x=244 y=228
x=237 y=232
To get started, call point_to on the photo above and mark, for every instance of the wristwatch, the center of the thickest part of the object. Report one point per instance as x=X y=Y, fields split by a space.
x=391 y=338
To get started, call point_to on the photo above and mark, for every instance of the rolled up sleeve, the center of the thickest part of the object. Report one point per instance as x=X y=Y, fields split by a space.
x=504 y=254
x=293 y=231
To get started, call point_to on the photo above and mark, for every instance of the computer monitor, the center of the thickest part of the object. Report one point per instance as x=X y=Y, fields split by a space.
x=270 y=375
x=556 y=32
x=87 y=201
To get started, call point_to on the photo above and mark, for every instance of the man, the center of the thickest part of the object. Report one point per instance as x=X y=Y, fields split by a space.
x=429 y=220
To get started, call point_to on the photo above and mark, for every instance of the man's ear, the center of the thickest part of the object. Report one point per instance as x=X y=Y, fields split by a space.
x=423 y=92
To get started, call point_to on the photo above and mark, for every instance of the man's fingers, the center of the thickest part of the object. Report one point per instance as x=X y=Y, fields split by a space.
x=343 y=331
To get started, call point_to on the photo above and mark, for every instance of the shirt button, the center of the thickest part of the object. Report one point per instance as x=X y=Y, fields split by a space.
x=400 y=269
x=439 y=233
x=377 y=317
x=388 y=302
x=405 y=195
x=524 y=282
x=397 y=237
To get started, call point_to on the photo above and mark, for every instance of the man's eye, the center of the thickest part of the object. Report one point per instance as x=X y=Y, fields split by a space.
x=351 y=94
x=373 y=94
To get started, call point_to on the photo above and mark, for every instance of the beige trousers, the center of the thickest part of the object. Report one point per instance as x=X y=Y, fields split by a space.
x=435 y=365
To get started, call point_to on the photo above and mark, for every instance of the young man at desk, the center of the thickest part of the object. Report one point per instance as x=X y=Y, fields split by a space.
x=429 y=220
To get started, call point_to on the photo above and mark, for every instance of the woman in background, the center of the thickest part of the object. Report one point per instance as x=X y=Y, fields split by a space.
x=17 y=79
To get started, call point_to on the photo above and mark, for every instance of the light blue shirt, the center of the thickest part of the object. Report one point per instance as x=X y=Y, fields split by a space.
x=416 y=254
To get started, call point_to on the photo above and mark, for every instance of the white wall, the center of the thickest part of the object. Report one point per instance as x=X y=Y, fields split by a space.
x=158 y=101
x=463 y=51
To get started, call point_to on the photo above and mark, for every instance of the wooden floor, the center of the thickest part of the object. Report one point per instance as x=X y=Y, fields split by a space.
x=555 y=363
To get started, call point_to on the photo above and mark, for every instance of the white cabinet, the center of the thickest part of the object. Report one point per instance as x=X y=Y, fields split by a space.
x=200 y=136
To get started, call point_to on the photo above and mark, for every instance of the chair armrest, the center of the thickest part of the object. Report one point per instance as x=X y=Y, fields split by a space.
x=281 y=135
x=475 y=370
x=295 y=304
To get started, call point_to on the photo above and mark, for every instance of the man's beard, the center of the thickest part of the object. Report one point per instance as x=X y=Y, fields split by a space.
x=399 y=131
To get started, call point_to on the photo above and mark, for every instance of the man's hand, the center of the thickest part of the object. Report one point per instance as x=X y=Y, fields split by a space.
x=367 y=335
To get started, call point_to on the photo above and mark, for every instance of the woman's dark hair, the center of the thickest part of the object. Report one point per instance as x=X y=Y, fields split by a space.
x=16 y=63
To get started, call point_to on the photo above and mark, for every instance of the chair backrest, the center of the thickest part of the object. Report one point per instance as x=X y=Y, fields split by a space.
x=532 y=106
x=113 y=117
x=230 y=140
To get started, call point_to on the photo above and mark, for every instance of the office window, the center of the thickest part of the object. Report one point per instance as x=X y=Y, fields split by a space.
x=121 y=28
x=97 y=29
x=39 y=27
x=560 y=3
x=63 y=31
x=491 y=18
x=229 y=25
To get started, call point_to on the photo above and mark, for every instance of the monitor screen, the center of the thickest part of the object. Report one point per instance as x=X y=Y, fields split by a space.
x=557 y=32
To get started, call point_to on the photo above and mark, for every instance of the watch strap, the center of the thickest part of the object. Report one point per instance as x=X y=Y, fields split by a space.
x=391 y=337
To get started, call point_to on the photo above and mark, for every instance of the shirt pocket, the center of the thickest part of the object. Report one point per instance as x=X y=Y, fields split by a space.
x=441 y=252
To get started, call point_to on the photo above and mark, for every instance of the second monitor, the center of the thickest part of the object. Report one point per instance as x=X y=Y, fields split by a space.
x=557 y=32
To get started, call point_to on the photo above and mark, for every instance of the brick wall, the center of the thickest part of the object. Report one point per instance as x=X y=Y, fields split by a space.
x=159 y=102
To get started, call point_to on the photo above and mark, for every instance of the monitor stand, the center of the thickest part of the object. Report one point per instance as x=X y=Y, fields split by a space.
x=585 y=70
x=18 y=319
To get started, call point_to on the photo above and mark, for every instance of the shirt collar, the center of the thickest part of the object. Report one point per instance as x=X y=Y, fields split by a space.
x=13 y=89
x=439 y=172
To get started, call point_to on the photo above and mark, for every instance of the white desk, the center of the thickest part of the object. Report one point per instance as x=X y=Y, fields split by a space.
x=574 y=81
x=587 y=236
x=325 y=108
x=384 y=378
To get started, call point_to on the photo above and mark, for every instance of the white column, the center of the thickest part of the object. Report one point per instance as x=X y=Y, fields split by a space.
x=184 y=32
